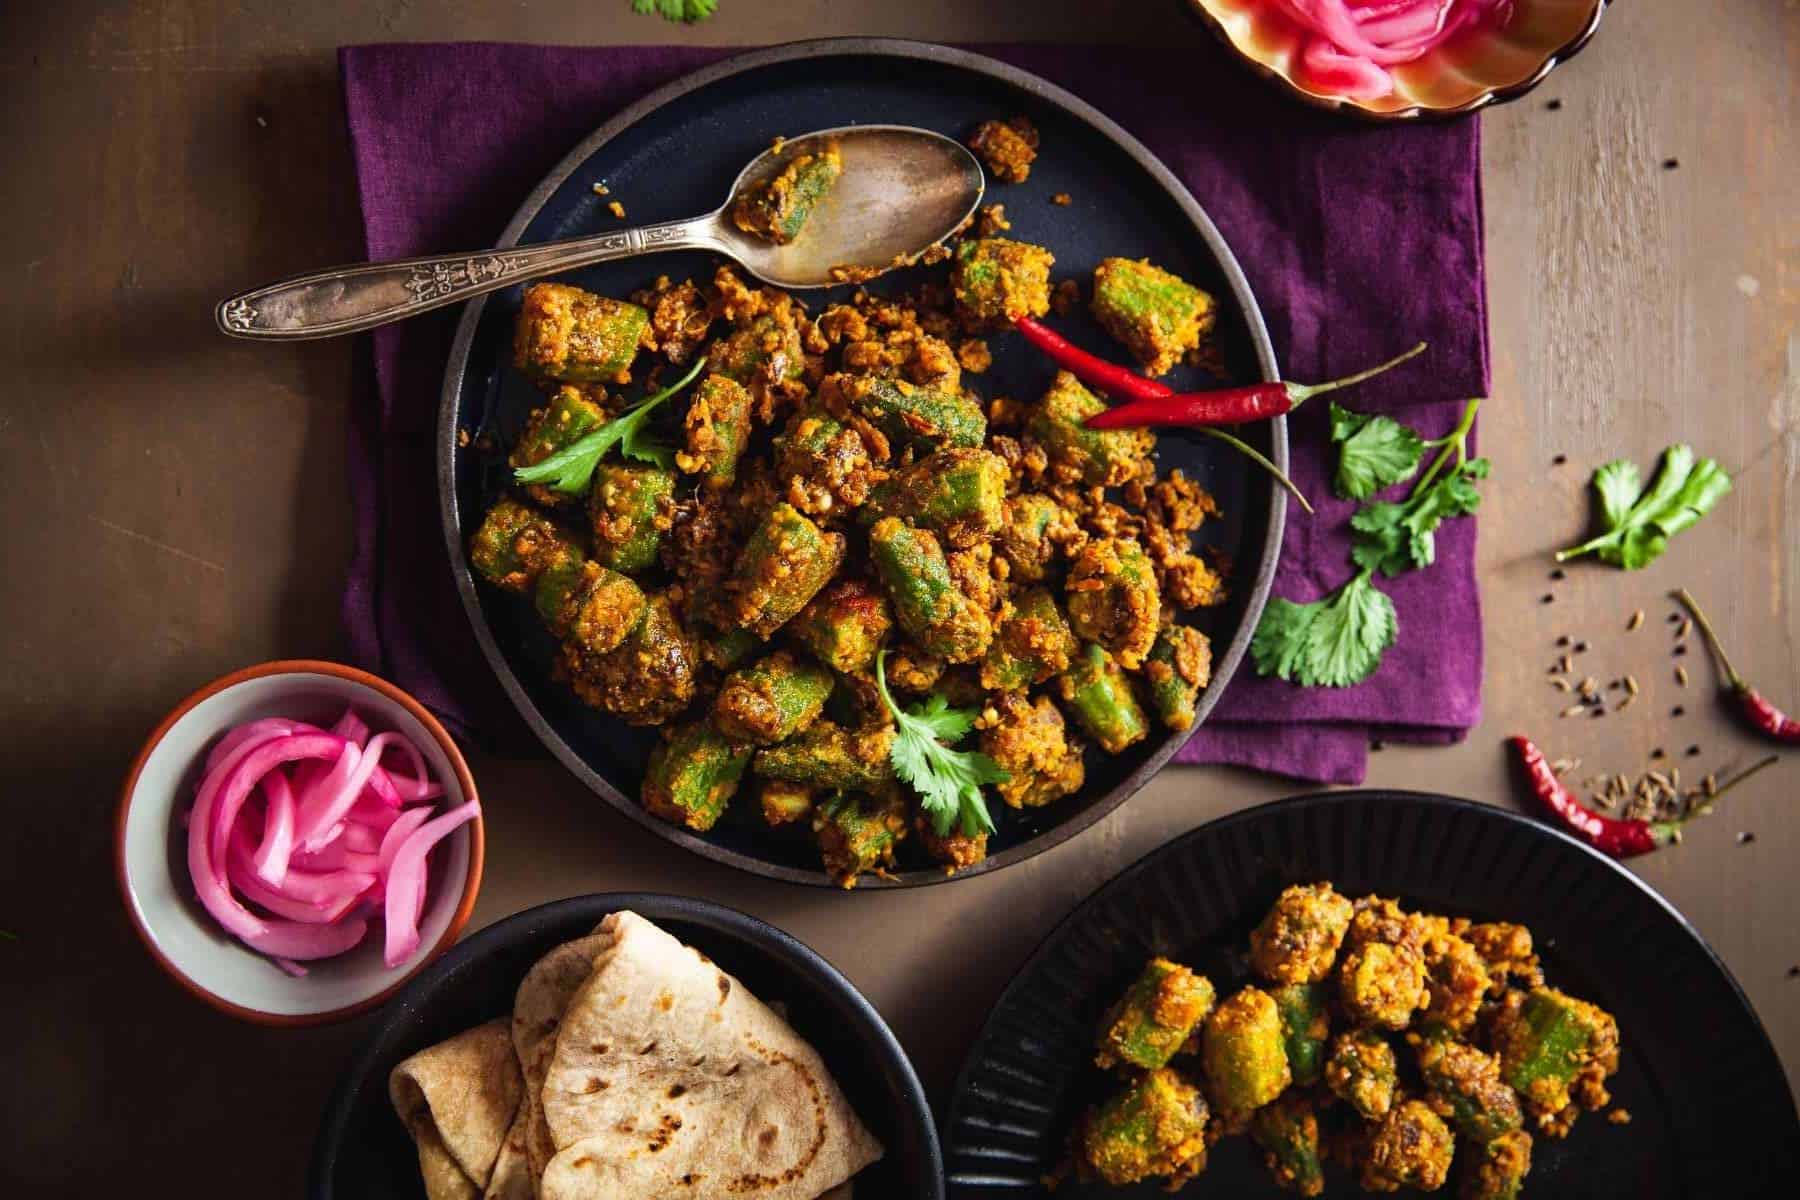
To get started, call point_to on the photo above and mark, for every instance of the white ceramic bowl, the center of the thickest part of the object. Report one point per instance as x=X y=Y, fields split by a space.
x=150 y=846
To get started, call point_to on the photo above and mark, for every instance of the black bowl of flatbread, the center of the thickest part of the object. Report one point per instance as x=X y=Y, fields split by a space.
x=627 y=1045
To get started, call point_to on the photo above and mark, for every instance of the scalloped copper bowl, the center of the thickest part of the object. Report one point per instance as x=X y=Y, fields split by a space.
x=1482 y=67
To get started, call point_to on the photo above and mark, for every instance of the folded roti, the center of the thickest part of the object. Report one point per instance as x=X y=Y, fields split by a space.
x=538 y=1007
x=458 y=1099
x=668 y=1078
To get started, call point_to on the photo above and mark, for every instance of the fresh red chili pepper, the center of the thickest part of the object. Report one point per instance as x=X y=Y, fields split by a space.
x=1230 y=406
x=1756 y=708
x=1619 y=837
x=1091 y=369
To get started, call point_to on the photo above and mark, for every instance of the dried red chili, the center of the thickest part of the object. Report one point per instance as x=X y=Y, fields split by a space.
x=1091 y=369
x=1620 y=837
x=1756 y=708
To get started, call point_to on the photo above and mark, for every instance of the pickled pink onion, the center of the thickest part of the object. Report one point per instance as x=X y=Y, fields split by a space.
x=297 y=833
x=1352 y=43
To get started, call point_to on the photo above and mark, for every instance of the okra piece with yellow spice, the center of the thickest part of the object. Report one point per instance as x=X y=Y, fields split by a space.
x=1244 y=1054
x=777 y=209
x=589 y=606
x=1155 y=1128
x=1077 y=454
x=1382 y=983
x=644 y=680
x=1298 y=939
x=716 y=431
x=1464 y=1087
x=1155 y=1017
x=907 y=414
x=1556 y=1052
x=1098 y=693
x=568 y=335
x=764 y=349
x=1033 y=644
x=1027 y=739
x=1033 y=529
x=786 y=562
x=1158 y=315
x=928 y=604
x=771 y=699
x=571 y=414
x=1305 y=1026
x=821 y=464
x=1494 y=1170
x=1363 y=1072
x=1288 y=1132
x=515 y=544
x=784 y=802
x=1113 y=599
x=857 y=832
x=827 y=755
x=1179 y=667
x=629 y=510
x=1411 y=1147
x=997 y=280
x=845 y=625
x=692 y=775
x=957 y=493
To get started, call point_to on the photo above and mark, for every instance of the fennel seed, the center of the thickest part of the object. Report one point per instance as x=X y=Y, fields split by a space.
x=1637 y=618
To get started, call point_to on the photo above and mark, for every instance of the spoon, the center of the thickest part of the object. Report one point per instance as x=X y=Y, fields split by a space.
x=902 y=191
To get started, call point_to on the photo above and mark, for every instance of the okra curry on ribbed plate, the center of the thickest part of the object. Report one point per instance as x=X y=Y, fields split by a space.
x=864 y=600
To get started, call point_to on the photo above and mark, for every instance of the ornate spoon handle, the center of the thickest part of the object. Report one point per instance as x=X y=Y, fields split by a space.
x=349 y=299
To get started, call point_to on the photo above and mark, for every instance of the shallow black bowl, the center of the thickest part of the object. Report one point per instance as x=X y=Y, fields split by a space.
x=673 y=155
x=363 y=1151
x=1711 y=1111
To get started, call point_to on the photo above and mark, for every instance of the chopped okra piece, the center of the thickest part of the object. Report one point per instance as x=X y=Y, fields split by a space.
x=1007 y=147
x=1380 y=983
x=911 y=671
x=716 y=430
x=828 y=756
x=1179 y=666
x=1098 y=693
x=786 y=562
x=998 y=280
x=777 y=210
x=1093 y=457
x=771 y=699
x=959 y=494
x=1243 y=1052
x=785 y=802
x=1159 y=316
x=726 y=650
x=1298 y=939
x=572 y=336
x=1456 y=982
x=1304 y=1028
x=571 y=414
x=1154 y=1129
x=1032 y=528
x=1363 y=1072
x=645 y=679
x=1033 y=644
x=767 y=349
x=693 y=774
x=845 y=625
x=956 y=850
x=1495 y=1170
x=1030 y=743
x=822 y=464
x=1113 y=598
x=1288 y=1132
x=858 y=832
x=557 y=584
x=910 y=415
x=927 y=602
x=595 y=610
x=629 y=508
x=1553 y=1050
x=515 y=544
x=1411 y=1147
x=1464 y=1087
x=1155 y=1017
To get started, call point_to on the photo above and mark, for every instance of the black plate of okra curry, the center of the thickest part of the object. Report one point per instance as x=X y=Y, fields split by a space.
x=1367 y=992
x=856 y=472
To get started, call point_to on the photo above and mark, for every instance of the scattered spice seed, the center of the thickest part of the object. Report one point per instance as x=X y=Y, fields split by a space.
x=1589 y=686
x=1574 y=710
x=1599 y=711
x=1745 y=838
x=616 y=209
x=1657 y=753
x=1637 y=618
x=1559 y=460
x=1794 y=972
x=1674 y=618
x=1693 y=752
x=1560 y=684
x=1377 y=745
x=1565 y=640
x=1559 y=573
x=1565 y=664
x=1678 y=711
x=1548 y=598
x=1624 y=704
x=1681 y=676
x=1670 y=164
x=1581 y=647
x=1687 y=627
x=1553 y=105
x=1680 y=649
x=1631 y=684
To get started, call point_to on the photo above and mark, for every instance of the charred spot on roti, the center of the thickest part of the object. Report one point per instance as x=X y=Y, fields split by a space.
x=595 y=1084
x=666 y=1001
x=756 y=1182
x=768 y=1135
x=677 y=1091
x=665 y=1130
x=724 y=988
x=648 y=1049
x=733 y=1069
x=690 y=1179
x=583 y=1161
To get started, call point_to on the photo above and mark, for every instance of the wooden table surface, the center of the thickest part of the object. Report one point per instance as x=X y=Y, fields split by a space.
x=176 y=509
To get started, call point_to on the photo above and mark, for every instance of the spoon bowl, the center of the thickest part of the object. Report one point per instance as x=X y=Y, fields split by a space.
x=902 y=191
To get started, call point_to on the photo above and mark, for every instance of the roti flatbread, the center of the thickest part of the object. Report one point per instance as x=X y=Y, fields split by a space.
x=668 y=1078
x=538 y=1007
x=458 y=1099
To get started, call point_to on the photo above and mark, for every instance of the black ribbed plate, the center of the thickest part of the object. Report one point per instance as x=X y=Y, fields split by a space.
x=1711 y=1111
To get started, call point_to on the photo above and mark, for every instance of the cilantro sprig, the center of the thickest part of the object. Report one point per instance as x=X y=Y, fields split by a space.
x=948 y=781
x=1640 y=522
x=684 y=11
x=1339 y=639
x=571 y=469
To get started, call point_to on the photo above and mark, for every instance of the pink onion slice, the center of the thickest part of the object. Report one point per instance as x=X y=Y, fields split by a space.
x=262 y=758
x=351 y=727
x=262 y=730
x=396 y=836
x=406 y=882
x=314 y=912
x=291 y=939
x=373 y=813
x=359 y=838
x=335 y=794
x=334 y=858
x=271 y=860
x=421 y=776
x=1354 y=42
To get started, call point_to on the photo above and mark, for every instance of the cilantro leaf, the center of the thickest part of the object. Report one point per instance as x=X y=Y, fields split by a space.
x=1394 y=538
x=948 y=782
x=1639 y=525
x=1373 y=452
x=1335 y=641
x=684 y=11
x=571 y=469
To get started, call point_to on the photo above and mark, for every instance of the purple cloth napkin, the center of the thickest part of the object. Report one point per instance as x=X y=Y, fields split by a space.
x=1358 y=240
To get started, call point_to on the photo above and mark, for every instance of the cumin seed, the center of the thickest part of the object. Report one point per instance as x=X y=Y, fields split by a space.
x=1637 y=619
